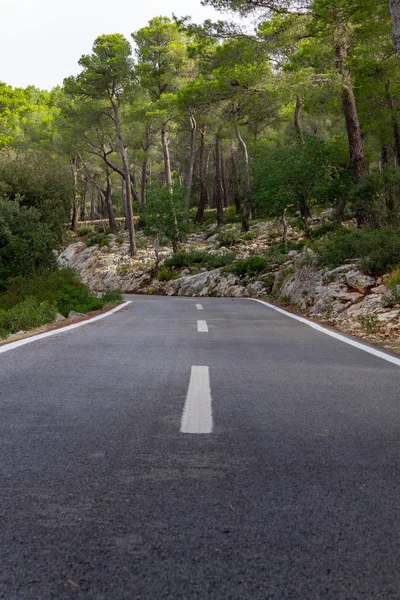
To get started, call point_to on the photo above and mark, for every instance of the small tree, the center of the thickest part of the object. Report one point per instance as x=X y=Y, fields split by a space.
x=297 y=175
x=160 y=220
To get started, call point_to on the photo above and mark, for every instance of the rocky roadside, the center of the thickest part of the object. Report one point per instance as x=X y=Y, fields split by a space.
x=344 y=298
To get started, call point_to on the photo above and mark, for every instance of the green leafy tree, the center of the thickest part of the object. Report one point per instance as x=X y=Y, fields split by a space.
x=107 y=80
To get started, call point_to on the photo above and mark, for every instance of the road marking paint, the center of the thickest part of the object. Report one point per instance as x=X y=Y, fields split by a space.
x=202 y=327
x=333 y=334
x=199 y=307
x=197 y=414
x=41 y=336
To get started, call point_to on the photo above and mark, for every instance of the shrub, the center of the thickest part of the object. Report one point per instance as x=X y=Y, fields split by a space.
x=167 y=275
x=229 y=237
x=112 y=297
x=85 y=230
x=198 y=258
x=26 y=315
x=251 y=266
x=62 y=289
x=378 y=249
x=100 y=239
x=26 y=243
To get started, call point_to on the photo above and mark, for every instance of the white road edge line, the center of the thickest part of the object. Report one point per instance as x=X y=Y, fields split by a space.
x=41 y=336
x=333 y=334
x=199 y=307
x=202 y=327
x=197 y=414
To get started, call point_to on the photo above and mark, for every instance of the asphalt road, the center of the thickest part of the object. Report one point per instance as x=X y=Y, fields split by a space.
x=294 y=495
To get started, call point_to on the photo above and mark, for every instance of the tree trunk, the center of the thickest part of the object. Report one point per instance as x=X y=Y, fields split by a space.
x=145 y=176
x=75 y=207
x=108 y=201
x=298 y=118
x=218 y=190
x=204 y=200
x=169 y=185
x=192 y=156
x=83 y=199
x=128 y=186
x=355 y=138
x=235 y=177
x=389 y=199
x=395 y=124
x=395 y=12
x=246 y=216
x=354 y=134
x=224 y=179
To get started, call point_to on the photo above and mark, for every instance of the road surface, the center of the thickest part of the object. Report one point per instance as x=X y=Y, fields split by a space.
x=198 y=449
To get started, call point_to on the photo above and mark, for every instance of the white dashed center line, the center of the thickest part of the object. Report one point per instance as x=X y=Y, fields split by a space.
x=197 y=414
x=202 y=327
x=199 y=307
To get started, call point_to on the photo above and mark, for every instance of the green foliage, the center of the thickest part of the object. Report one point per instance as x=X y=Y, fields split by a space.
x=393 y=280
x=85 y=230
x=378 y=249
x=61 y=289
x=100 y=239
x=39 y=181
x=321 y=230
x=300 y=176
x=254 y=265
x=28 y=314
x=167 y=275
x=376 y=195
x=163 y=213
x=112 y=297
x=230 y=237
x=26 y=242
x=198 y=258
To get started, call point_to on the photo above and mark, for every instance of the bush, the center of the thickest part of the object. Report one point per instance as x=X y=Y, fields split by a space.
x=198 y=258
x=42 y=181
x=29 y=314
x=26 y=243
x=85 y=230
x=167 y=275
x=100 y=239
x=112 y=297
x=251 y=266
x=230 y=237
x=62 y=289
x=378 y=249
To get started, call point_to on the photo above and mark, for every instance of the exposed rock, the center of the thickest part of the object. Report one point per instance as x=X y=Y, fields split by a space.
x=359 y=281
x=75 y=315
x=59 y=318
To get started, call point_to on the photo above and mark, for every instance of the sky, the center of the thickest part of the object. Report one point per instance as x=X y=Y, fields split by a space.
x=42 y=40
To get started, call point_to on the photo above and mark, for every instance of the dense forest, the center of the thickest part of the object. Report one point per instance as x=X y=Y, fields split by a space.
x=289 y=110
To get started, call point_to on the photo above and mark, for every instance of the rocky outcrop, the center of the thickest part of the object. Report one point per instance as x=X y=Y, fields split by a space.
x=345 y=296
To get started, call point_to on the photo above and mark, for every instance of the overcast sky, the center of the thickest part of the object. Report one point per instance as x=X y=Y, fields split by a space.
x=42 y=40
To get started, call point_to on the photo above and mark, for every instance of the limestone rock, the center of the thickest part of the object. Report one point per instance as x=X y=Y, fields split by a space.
x=359 y=281
x=73 y=314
